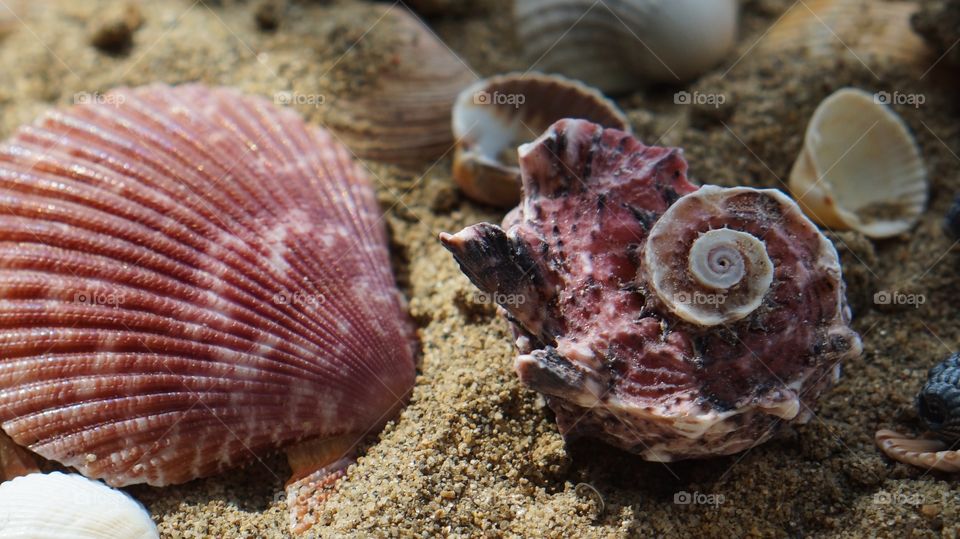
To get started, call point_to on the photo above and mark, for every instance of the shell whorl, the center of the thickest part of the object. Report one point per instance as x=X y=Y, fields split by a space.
x=719 y=275
x=721 y=259
x=190 y=277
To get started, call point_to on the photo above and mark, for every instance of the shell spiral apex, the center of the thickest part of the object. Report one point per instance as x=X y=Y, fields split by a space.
x=728 y=272
x=190 y=278
x=671 y=321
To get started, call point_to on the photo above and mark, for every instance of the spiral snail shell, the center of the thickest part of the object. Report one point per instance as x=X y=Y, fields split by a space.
x=938 y=405
x=730 y=266
x=671 y=321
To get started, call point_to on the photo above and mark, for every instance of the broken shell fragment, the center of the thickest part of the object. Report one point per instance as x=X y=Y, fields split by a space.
x=494 y=116
x=192 y=278
x=625 y=269
x=69 y=506
x=621 y=45
x=860 y=167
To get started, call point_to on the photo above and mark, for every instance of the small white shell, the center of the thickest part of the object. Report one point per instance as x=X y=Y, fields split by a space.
x=618 y=45
x=494 y=116
x=860 y=167
x=62 y=506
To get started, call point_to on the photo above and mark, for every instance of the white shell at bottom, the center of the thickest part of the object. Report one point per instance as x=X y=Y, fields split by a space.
x=62 y=506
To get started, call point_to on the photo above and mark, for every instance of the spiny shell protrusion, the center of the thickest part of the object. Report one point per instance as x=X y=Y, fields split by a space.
x=619 y=45
x=613 y=359
x=494 y=116
x=860 y=167
x=724 y=274
x=190 y=278
x=69 y=506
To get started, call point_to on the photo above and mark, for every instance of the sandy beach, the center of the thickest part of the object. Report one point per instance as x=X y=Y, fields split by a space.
x=476 y=454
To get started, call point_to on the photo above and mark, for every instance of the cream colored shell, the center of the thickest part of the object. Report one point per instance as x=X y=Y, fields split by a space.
x=70 y=506
x=860 y=167
x=618 y=45
x=873 y=33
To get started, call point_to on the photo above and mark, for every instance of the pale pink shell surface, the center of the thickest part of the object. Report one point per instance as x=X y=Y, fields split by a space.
x=575 y=267
x=190 y=277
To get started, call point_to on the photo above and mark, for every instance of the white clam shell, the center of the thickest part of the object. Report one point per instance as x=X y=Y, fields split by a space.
x=493 y=116
x=70 y=506
x=618 y=45
x=860 y=167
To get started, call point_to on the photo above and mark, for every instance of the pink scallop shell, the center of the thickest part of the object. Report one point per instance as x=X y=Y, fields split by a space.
x=190 y=277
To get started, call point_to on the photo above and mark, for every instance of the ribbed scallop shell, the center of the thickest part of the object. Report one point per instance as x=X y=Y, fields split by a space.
x=68 y=506
x=938 y=405
x=190 y=277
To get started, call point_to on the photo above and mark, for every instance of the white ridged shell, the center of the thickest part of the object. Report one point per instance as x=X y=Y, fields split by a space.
x=860 y=167
x=492 y=117
x=62 y=506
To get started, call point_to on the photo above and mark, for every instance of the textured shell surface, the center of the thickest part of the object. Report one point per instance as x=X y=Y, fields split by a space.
x=668 y=320
x=938 y=405
x=873 y=33
x=620 y=45
x=69 y=506
x=860 y=167
x=495 y=115
x=190 y=278
x=403 y=116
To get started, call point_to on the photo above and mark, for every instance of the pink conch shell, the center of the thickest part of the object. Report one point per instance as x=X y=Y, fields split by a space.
x=598 y=267
x=190 y=278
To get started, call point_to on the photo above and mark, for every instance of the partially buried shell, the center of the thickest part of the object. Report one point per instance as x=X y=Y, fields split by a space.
x=494 y=116
x=402 y=114
x=876 y=34
x=620 y=45
x=192 y=278
x=668 y=320
x=62 y=506
x=938 y=406
x=860 y=167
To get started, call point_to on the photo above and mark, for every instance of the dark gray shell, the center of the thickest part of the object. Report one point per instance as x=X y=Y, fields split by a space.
x=939 y=401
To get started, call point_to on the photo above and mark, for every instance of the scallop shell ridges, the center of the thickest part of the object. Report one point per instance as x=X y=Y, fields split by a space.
x=190 y=277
